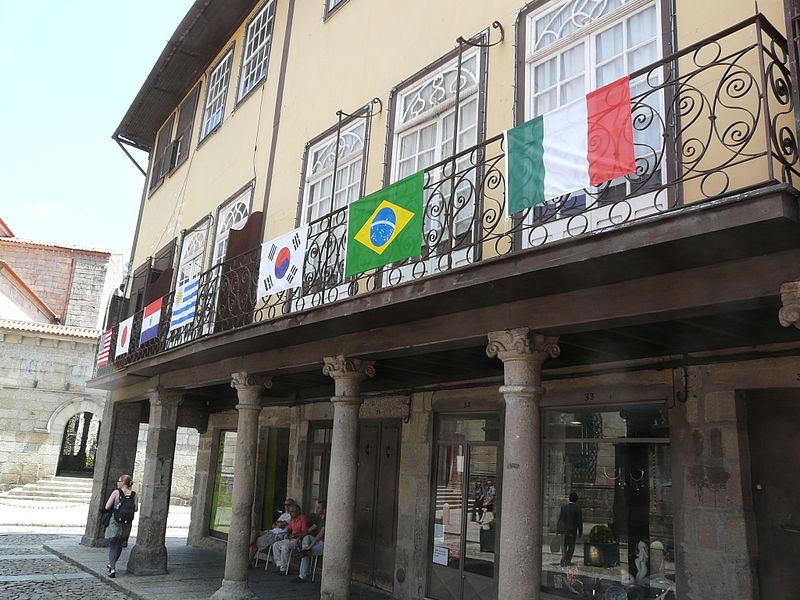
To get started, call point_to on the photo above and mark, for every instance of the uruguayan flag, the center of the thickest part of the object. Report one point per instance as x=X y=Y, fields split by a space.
x=184 y=305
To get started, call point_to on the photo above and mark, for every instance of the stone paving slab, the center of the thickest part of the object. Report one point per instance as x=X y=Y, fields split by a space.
x=193 y=574
x=85 y=588
x=29 y=572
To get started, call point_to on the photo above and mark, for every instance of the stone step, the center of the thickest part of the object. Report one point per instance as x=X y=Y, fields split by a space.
x=55 y=487
x=46 y=494
x=59 y=489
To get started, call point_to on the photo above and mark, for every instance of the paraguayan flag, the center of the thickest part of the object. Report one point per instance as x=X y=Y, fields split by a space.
x=184 y=304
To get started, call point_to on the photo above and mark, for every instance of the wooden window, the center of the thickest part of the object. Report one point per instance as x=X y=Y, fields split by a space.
x=183 y=135
x=159 y=165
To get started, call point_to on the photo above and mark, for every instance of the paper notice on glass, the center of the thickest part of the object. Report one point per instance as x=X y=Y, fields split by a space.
x=440 y=555
x=438 y=531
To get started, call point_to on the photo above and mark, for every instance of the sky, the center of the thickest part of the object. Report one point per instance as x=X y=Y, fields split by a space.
x=69 y=70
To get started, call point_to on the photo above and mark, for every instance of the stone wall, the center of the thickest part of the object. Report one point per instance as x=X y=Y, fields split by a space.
x=76 y=284
x=712 y=519
x=16 y=305
x=183 y=470
x=42 y=385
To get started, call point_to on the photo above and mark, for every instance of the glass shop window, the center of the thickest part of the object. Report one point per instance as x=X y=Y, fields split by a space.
x=221 y=501
x=620 y=544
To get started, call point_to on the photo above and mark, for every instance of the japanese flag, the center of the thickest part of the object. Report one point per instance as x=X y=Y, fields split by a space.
x=124 y=336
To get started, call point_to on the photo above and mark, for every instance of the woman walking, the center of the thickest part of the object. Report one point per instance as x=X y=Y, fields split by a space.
x=123 y=504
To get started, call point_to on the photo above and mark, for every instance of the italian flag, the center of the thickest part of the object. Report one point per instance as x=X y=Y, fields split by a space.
x=586 y=142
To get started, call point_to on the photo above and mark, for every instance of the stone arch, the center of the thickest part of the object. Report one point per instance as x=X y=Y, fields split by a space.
x=66 y=410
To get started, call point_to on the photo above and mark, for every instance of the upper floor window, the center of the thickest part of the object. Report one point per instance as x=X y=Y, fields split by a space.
x=256 y=48
x=425 y=117
x=159 y=166
x=331 y=5
x=233 y=215
x=334 y=161
x=193 y=252
x=183 y=133
x=425 y=131
x=171 y=152
x=571 y=48
x=577 y=46
x=215 y=94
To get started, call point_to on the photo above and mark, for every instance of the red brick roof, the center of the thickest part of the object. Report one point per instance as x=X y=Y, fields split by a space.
x=23 y=241
x=49 y=328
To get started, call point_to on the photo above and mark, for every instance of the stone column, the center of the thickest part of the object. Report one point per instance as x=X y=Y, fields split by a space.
x=237 y=556
x=149 y=555
x=520 y=561
x=115 y=456
x=347 y=373
x=789 y=313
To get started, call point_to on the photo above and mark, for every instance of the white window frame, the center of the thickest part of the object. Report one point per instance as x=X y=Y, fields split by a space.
x=232 y=215
x=586 y=33
x=256 y=49
x=193 y=253
x=216 y=93
x=430 y=101
x=351 y=157
x=435 y=109
x=331 y=5
x=321 y=155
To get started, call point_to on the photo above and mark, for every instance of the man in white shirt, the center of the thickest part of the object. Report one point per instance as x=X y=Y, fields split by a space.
x=261 y=540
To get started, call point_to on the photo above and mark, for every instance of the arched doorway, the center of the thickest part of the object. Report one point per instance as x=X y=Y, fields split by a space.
x=78 y=446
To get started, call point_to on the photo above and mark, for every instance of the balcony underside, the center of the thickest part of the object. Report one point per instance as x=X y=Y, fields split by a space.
x=697 y=280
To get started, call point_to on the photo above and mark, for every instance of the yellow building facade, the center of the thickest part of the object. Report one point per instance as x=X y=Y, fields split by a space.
x=654 y=310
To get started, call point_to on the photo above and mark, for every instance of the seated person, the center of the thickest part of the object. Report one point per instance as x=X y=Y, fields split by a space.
x=261 y=540
x=298 y=527
x=488 y=500
x=312 y=544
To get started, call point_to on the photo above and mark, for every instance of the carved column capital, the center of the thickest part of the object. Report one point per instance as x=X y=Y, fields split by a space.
x=164 y=397
x=245 y=380
x=347 y=374
x=249 y=389
x=341 y=366
x=522 y=344
x=789 y=314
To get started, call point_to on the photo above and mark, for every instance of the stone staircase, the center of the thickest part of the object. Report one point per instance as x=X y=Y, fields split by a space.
x=55 y=489
x=448 y=494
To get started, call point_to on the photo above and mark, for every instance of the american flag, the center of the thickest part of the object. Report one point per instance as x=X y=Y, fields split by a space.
x=104 y=348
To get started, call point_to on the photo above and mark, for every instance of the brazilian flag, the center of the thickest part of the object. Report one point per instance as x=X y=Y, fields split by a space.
x=386 y=226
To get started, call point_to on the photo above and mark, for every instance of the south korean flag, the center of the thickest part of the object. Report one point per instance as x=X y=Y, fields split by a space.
x=282 y=262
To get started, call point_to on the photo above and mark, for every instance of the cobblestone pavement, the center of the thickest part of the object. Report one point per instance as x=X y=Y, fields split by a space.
x=30 y=572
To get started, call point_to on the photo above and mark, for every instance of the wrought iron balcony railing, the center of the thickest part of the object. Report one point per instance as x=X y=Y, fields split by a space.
x=712 y=120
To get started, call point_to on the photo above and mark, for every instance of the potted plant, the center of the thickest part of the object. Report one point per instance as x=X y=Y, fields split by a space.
x=487 y=536
x=602 y=549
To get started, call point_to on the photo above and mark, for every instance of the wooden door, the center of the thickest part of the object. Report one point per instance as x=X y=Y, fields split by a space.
x=774 y=464
x=376 y=503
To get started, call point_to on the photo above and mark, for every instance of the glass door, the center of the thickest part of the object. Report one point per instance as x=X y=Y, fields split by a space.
x=221 y=500
x=466 y=503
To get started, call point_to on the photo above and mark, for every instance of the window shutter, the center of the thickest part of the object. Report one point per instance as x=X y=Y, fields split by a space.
x=159 y=167
x=160 y=276
x=183 y=136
